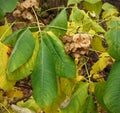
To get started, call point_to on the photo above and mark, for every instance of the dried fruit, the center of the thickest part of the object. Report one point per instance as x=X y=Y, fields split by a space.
x=23 y=10
x=77 y=45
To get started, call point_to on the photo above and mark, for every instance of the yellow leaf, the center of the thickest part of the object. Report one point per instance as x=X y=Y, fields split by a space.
x=14 y=93
x=65 y=88
x=30 y=104
x=97 y=44
x=92 y=32
x=67 y=85
x=103 y=61
x=92 y=87
x=54 y=107
x=97 y=77
x=73 y=28
x=4 y=54
x=5 y=30
x=80 y=77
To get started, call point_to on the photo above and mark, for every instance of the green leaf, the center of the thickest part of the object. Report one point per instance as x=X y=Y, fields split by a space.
x=89 y=106
x=43 y=79
x=73 y=2
x=11 y=39
x=7 y=6
x=92 y=1
x=59 y=25
x=90 y=24
x=77 y=15
x=112 y=89
x=113 y=23
x=99 y=93
x=93 y=7
x=77 y=100
x=81 y=18
x=64 y=65
x=26 y=69
x=113 y=40
x=107 y=6
x=1 y=13
x=22 y=51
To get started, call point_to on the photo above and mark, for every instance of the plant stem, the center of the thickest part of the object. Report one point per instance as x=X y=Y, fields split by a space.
x=37 y=20
x=4 y=107
x=2 y=37
x=87 y=72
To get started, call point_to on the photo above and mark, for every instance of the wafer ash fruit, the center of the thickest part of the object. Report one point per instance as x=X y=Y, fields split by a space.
x=77 y=44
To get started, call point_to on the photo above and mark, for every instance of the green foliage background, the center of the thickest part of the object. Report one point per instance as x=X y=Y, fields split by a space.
x=56 y=84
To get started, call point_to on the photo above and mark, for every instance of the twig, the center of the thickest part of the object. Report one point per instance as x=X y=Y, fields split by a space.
x=4 y=107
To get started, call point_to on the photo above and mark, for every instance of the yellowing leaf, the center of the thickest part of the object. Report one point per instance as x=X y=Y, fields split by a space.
x=109 y=13
x=80 y=77
x=4 y=54
x=97 y=44
x=65 y=88
x=5 y=30
x=19 y=109
x=54 y=107
x=101 y=63
x=92 y=32
x=77 y=99
x=30 y=104
x=97 y=77
x=66 y=85
x=104 y=60
x=14 y=93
